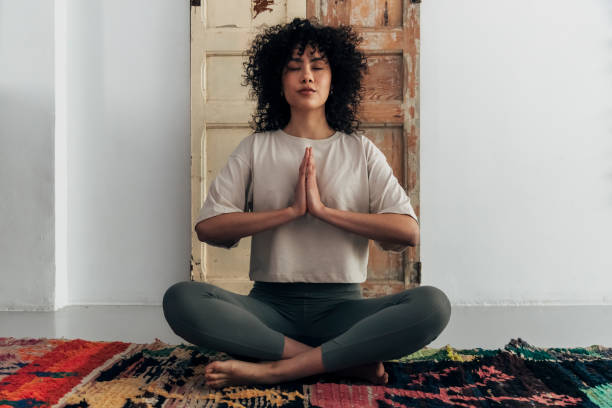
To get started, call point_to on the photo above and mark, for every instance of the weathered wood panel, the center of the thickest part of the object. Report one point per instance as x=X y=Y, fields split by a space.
x=389 y=111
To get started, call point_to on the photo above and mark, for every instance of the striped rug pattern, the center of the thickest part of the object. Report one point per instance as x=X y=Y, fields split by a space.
x=80 y=373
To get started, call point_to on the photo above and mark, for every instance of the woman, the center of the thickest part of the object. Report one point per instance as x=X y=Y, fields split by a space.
x=311 y=192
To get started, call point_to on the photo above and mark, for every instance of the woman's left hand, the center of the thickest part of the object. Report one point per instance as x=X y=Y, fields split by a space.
x=313 y=200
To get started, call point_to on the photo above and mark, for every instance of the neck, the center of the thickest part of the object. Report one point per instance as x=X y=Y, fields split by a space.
x=309 y=124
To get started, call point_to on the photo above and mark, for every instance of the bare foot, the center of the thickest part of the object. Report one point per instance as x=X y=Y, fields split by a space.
x=220 y=374
x=372 y=372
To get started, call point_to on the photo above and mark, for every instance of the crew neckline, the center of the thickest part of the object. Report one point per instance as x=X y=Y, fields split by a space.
x=307 y=140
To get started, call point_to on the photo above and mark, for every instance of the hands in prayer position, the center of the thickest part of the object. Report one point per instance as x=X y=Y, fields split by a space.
x=387 y=228
x=307 y=198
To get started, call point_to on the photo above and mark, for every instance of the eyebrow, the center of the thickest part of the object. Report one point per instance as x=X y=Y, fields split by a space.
x=313 y=60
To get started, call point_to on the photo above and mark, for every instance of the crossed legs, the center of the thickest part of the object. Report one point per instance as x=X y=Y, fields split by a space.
x=299 y=361
x=363 y=332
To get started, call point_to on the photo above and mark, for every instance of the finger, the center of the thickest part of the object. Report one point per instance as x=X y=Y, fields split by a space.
x=302 y=165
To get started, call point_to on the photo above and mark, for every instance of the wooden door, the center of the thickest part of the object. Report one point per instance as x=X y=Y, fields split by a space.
x=220 y=111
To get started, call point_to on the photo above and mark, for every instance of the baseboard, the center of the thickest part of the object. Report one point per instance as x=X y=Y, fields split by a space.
x=29 y=308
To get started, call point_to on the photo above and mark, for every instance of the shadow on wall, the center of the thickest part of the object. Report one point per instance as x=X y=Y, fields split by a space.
x=26 y=203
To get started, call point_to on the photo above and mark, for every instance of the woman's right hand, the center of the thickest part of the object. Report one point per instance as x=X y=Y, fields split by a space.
x=299 y=205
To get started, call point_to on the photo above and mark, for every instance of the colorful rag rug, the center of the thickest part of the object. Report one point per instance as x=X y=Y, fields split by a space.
x=79 y=373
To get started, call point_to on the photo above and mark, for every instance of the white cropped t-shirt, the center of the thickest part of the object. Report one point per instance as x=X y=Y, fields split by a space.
x=261 y=175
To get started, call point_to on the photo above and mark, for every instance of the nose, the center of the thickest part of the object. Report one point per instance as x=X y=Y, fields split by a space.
x=307 y=76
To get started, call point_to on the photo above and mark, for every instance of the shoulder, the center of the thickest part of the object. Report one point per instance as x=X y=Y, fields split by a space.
x=248 y=140
x=244 y=150
x=353 y=140
x=262 y=138
x=371 y=152
x=247 y=144
x=360 y=137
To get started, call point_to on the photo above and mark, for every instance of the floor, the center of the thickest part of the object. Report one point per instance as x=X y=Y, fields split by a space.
x=469 y=327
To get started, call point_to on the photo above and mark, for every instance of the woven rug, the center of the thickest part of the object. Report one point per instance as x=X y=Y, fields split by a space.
x=80 y=373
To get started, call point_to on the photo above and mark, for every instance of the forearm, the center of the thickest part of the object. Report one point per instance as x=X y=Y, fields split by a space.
x=232 y=226
x=393 y=228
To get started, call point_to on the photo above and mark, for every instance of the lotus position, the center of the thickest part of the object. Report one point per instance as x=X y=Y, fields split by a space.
x=311 y=191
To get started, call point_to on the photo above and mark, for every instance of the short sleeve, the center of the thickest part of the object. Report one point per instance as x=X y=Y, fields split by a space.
x=386 y=193
x=230 y=191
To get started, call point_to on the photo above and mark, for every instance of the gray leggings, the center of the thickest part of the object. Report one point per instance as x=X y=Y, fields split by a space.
x=350 y=329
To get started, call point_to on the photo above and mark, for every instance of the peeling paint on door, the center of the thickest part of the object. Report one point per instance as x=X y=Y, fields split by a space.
x=262 y=5
x=388 y=113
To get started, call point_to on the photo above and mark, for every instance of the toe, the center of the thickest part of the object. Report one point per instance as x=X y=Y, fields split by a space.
x=213 y=376
x=219 y=367
x=217 y=384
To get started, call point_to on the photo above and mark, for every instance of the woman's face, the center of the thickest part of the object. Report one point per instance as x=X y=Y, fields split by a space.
x=310 y=70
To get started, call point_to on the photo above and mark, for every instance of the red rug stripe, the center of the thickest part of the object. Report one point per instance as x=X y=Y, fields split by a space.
x=77 y=357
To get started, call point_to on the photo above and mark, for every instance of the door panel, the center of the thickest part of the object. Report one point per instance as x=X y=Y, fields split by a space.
x=221 y=30
x=389 y=111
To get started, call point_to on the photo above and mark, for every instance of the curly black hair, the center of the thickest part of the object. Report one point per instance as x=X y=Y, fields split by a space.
x=270 y=53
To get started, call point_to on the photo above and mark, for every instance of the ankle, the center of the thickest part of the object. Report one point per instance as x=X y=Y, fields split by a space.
x=293 y=347
x=274 y=370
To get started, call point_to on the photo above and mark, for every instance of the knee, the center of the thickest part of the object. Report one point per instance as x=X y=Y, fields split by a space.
x=438 y=303
x=173 y=297
x=180 y=295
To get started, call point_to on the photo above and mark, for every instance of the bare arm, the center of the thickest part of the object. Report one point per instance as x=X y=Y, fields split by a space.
x=230 y=227
x=387 y=228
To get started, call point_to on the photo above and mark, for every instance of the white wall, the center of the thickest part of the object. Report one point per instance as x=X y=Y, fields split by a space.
x=516 y=150
x=516 y=169
x=26 y=155
x=125 y=110
x=128 y=127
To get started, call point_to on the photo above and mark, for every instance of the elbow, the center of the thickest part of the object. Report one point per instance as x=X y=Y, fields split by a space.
x=206 y=237
x=415 y=236
x=411 y=241
x=407 y=236
x=201 y=232
x=412 y=236
x=415 y=241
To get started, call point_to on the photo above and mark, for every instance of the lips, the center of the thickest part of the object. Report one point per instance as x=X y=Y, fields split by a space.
x=306 y=91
